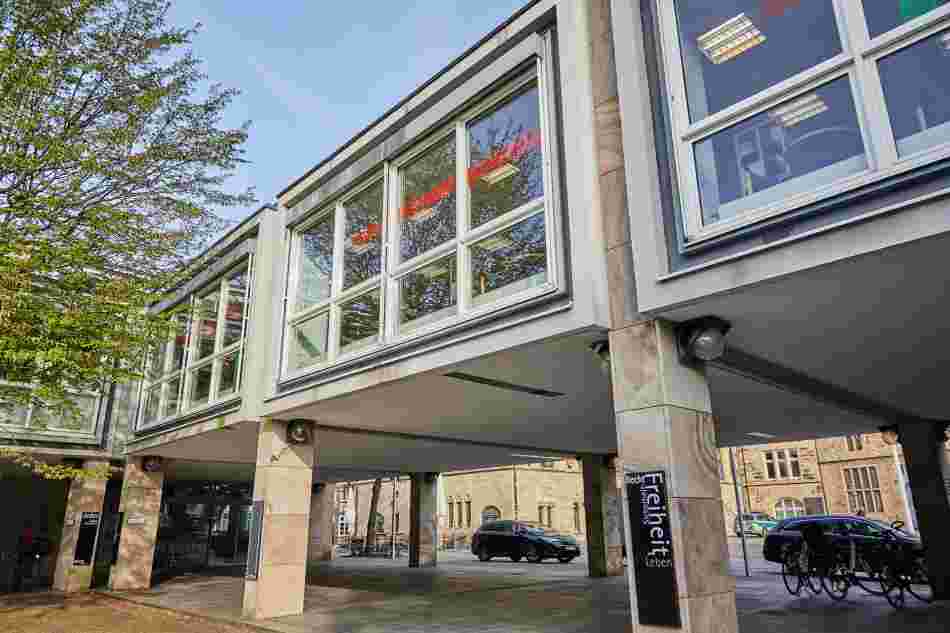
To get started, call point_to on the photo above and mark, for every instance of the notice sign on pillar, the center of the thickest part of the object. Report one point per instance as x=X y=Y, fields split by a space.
x=655 y=574
x=86 y=540
x=254 y=542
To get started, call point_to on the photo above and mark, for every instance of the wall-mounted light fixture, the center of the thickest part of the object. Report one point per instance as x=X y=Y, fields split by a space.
x=702 y=339
x=602 y=350
x=299 y=431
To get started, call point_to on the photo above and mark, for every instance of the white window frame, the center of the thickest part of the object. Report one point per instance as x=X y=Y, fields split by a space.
x=49 y=430
x=189 y=366
x=857 y=62
x=459 y=247
x=784 y=456
x=799 y=508
x=872 y=496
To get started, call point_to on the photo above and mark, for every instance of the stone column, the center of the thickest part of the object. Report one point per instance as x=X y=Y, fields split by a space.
x=423 y=519
x=664 y=423
x=602 y=516
x=85 y=495
x=322 y=523
x=282 y=482
x=140 y=506
x=923 y=444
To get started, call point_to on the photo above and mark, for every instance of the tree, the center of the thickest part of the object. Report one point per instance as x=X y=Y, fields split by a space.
x=112 y=155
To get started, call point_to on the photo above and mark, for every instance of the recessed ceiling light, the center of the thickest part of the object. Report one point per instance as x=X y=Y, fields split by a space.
x=765 y=436
x=730 y=39
x=799 y=110
x=494 y=243
x=500 y=173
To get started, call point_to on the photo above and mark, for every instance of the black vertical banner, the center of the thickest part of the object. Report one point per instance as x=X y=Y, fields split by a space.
x=86 y=540
x=254 y=543
x=655 y=573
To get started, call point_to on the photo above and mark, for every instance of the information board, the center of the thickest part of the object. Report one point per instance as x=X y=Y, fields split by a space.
x=655 y=574
x=86 y=540
x=254 y=542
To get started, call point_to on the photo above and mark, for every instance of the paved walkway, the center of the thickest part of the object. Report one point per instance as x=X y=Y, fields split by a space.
x=354 y=595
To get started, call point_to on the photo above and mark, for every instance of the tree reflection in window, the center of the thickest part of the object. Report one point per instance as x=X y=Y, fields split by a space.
x=509 y=261
x=427 y=211
x=361 y=245
x=360 y=322
x=505 y=168
x=316 y=263
x=428 y=294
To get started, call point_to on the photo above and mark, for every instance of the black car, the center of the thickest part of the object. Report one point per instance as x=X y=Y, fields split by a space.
x=841 y=528
x=518 y=540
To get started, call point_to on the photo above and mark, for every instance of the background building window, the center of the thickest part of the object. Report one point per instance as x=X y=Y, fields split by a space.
x=864 y=489
x=854 y=443
x=782 y=463
x=577 y=518
x=788 y=508
x=451 y=514
x=490 y=513
x=468 y=513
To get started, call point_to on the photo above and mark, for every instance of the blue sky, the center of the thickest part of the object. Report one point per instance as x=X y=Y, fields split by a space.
x=313 y=73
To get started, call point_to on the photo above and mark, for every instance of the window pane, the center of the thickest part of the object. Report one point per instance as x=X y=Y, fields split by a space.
x=806 y=142
x=234 y=312
x=509 y=262
x=796 y=469
x=783 y=469
x=200 y=386
x=849 y=479
x=770 y=468
x=878 y=502
x=230 y=370
x=504 y=163
x=156 y=365
x=308 y=344
x=427 y=213
x=180 y=344
x=865 y=480
x=884 y=15
x=152 y=397
x=315 y=272
x=207 y=324
x=733 y=49
x=172 y=389
x=428 y=294
x=360 y=325
x=874 y=481
x=918 y=94
x=364 y=233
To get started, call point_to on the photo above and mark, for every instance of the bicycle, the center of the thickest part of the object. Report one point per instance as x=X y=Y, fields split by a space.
x=904 y=571
x=797 y=571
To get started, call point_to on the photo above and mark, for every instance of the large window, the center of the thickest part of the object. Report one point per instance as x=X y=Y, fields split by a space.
x=37 y=418
x=201 y=362
x=864 y=489
x=782 y=464
x=779 y=103
x=789 y=508
x=457 y=226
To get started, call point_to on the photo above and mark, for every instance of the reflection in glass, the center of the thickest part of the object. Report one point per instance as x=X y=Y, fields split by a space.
x=172 y=389
x=510 y=261
x=364 y=235
x=152 y=398
x=917 y=92
x=207 y=324
x=180 y=344
x=316 y=263
x=156 y=366
x=428 y=294
x=360 y=322
x=505 y=169
x=427 y=209
x=884 y=15
x=230 y=367
x=308 y=345
x=234 y=311
x=200 y=385
x=804 y=143
x=737 y=48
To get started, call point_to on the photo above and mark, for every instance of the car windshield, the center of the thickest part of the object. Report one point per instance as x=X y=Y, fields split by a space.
x=758 y=516
x=887 y=526
x=530 y=529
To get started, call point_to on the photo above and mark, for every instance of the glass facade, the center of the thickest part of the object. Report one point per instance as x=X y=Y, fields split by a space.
x=200 y=363
x=467 y=229
x=36 y=417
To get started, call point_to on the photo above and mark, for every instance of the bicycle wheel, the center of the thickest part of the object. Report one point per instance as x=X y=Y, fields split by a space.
x=836 y=583
x=813 y=581
x=918 y=584
x=894 y=592
x=792 y=574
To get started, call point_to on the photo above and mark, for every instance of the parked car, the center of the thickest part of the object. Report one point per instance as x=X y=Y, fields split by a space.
x=518 y=540
x=757 y=523
x=841 y=528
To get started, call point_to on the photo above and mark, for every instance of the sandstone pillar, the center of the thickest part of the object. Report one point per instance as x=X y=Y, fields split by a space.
x=923 y=444
x=423 y=519
x=140 y=506
x=664 y=424
x=602 y=516
x=84 y=496
x=322 y=523
x=282 y=496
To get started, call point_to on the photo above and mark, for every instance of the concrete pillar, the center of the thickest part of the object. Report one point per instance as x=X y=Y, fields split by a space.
x=923 y=444
x=283 y=480
x=140 y=506
x=602 y=516
x=85 y=495
x=322 y=523
x=423 y=519
x=664 y=423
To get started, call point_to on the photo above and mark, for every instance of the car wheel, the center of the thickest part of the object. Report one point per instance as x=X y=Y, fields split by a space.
x=516 y=558
x=532 y=554
x=483 y=554
x=565 y=559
